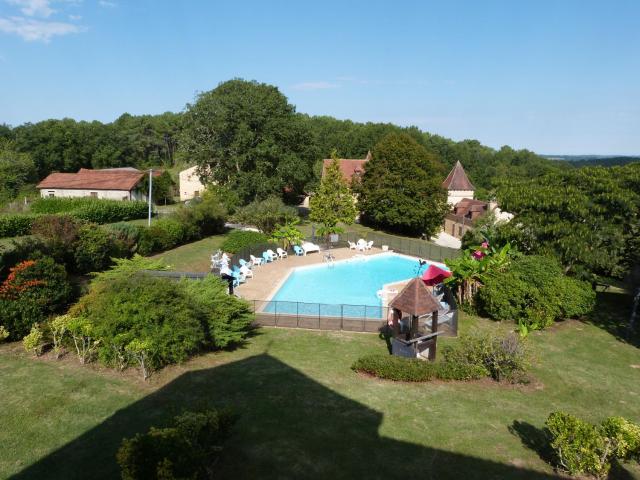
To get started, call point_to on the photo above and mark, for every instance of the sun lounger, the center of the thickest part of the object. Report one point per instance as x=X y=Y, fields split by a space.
x=308 y=247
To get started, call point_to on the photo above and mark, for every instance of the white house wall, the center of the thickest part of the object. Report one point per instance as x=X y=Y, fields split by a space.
x=190 y=184
x=103 y=194
x=454 y=196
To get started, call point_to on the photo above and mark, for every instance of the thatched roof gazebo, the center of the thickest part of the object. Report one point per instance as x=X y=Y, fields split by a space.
x=415 y=300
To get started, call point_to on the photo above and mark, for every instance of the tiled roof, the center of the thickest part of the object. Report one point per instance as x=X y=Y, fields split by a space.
x=348 y=166
x=415 y=299
x=457 y=179
x=86 y=179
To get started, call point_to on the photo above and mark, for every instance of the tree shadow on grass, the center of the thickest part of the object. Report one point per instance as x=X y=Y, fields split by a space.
x=290 y=426
x=612 y=314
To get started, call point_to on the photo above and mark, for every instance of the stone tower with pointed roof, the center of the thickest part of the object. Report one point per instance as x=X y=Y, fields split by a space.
x=458 y=185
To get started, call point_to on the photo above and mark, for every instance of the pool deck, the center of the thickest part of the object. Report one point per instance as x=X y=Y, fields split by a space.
x=269 y=278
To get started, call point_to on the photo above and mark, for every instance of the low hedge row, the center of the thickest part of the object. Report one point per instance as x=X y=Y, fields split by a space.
x=390 y=367
x=89 y=210
x=92 y=207
x=239 y=239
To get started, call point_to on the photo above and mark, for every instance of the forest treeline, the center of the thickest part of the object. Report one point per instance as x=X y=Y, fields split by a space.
x=31 y=151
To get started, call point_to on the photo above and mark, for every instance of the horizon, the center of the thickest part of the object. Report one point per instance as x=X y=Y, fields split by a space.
x=546 y=77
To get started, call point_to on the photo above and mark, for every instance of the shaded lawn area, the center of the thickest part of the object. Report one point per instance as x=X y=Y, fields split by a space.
x=192 y=257
x=305 y=414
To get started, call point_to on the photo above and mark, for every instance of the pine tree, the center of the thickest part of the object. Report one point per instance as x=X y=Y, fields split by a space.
x=333 y=203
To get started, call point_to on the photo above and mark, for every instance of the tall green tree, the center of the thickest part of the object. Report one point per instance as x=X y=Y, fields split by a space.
x=401 y=189
x=17 y=170
x=246 y=135
x=587 y=217
x=333 y=202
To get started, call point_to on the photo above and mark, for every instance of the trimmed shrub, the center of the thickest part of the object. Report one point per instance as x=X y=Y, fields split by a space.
x=206 y=215
x=15 y=225
x=60 y=234
x=162 y=235
x=94 y=249
x=189 y=448
x=127 y=234
x=33 y=290
x=391 y=367
x=501 y=357
x=534 y=293
x=239 y=239
x=583 y=448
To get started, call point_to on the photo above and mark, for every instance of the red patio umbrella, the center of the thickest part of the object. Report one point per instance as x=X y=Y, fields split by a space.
x=434 y=275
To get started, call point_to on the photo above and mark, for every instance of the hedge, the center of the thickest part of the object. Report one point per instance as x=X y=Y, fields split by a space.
x=391 y=367
x=87 y=209
x=16 y=225
x=239 y=239
x=84 y=206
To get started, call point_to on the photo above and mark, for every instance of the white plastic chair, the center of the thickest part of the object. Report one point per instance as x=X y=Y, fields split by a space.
x=273 y=255
x=369 y=244
x=361 y=245
x=255 y=260
x=352 y=245
x=246 y=271
x=282 y=253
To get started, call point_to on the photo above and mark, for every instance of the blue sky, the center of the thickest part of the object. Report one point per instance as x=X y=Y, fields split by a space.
x=553 y=76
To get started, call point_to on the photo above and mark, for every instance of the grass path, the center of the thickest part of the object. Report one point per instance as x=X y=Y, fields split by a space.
x=305 y=414
x=192 y=257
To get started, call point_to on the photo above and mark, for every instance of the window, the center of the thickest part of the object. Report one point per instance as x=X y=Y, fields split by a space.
x=460 y=231
x=51 y=194
x=196 y=193
x=94 y=194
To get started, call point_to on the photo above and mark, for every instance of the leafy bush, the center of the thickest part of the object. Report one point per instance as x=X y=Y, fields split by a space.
x=14 y=225
x=161 y=235
x=228 y=318
x=502 y=357
x=127 y=234
x=151 y=322
x=583 y=448
x=266 y=214
x=4 y=334
x=189 y=448
x=34 y=341
x=205 y=216
x=60 y=233
x=392 y=367
x=94 y=249
x=239 y=239
x=534 y=292
x=33 y=290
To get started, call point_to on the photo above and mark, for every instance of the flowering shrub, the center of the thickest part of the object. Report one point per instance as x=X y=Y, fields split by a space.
x=32 y=291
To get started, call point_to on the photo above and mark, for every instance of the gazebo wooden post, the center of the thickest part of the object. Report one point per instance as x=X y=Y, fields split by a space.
x=396 y=316
x=434 y=329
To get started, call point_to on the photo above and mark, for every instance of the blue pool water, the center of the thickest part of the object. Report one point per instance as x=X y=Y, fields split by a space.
x=347 y=288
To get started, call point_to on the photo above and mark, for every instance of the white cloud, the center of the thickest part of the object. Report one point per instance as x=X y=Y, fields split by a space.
x=107 y=3
x=37 y=30
x=75 y=17
x=314 y=86
x=34 y=8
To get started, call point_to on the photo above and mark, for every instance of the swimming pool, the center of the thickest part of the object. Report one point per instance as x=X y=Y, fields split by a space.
x=345 y=288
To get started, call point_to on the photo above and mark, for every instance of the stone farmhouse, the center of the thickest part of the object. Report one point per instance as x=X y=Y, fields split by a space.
x=109 y=183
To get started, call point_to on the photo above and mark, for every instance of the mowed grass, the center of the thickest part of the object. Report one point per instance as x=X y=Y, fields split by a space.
x=192 y=257
x=304 y=414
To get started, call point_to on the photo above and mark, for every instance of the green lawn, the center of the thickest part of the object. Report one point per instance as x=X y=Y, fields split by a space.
x=192 y=257
x=304 y=414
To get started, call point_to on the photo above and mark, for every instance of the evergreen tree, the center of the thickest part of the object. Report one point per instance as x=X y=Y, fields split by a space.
x=333 y=202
